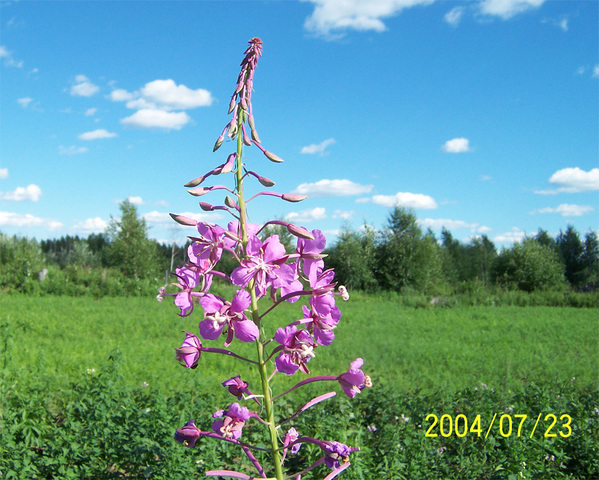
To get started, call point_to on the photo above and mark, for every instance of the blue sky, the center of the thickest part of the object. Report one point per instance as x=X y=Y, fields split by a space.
x=482 y=116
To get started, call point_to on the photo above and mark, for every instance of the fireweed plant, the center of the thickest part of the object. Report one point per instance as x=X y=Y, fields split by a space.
x=265 y=271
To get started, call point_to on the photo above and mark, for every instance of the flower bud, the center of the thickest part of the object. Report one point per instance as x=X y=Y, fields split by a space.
x=218 y=143
x=228 y=166
x=255 y=135
x=300 y=232
x=272 y=157
x=183 y=220
x=195 y=182
x=229 y=202
x=291 y=197
x=198 y=192
x=188 y=435
x=344 y=293
x=263 y=180
x=207 y=207
x=190 y=351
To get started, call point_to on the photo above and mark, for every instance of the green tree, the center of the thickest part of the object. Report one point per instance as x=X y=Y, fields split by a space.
x=353 y=258
x=129 y=248
x=590 y=260
x=571 y=250
x=405 y=258
x=529 y=266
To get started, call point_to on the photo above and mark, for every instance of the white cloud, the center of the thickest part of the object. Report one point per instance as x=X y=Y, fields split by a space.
x=563 y=24
x=454 y=16
x=456 y=145
x=596 y=71
x=135 y=200
x=439 y=223
x=402 y=199
x=566 y=210
x=91 y=225
x=486 y=178
x=345 y=215
x=90 y=112
x=318 y=148
x=25 y=101
x=573 y=180
x=339 y=15
x=121 y=95
x=305 y=216
x=516 y=235
x=3 y=172
x=148 y=118
x=506 y=9
x=97 y=134
x=332 y=188
x=83 y=87
x=8 y=58
x=72 y=150
x=30 y=193
x=9 y=219
x=171 y=96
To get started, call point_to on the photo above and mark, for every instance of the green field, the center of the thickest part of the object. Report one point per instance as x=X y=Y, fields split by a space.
x=429 y=349
x=68 y=411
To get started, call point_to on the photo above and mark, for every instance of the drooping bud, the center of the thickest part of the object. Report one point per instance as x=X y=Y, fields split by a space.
x=229 y=202
x=291 y=197
x=228 y=166
x=255 y=135
x=300 y=232
x=195 y=182
x=207 y=207
x=272 y=157
x=183 y=220
x=263 y=180
x=198 y=192
x=232 y=129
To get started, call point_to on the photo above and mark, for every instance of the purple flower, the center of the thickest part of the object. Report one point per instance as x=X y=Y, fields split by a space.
x=209 y=246
x=190 y=351
x=265 y=263
x=354 y=381
x=232 y=423
x=188 y=435
x=336 y=453
x=298 y=349
x=321 y=326
x=290 y=437
x=309 y=251
x=188 y=280
x=221 y=314
x=237 y=386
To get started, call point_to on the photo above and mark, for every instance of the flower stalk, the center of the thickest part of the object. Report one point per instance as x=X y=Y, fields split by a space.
x=264 y=267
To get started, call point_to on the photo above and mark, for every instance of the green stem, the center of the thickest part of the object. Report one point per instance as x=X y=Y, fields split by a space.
x=268 y=403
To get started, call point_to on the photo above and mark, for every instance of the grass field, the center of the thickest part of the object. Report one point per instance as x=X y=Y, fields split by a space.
x=67 y=411
x=441 y=348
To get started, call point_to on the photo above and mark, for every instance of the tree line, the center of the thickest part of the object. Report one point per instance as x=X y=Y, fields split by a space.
x=400 y=257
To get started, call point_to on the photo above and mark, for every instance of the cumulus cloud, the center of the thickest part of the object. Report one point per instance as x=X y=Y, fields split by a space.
x=150 y=118
x=566 y=210
x=3 y=172
x=135 y=200
x=319 y=147
x=516 y=235
x=83 y=87
x=345 y=215
x=402 y=199
x=97 y=134
x=121 y=95
x=454 y=16
x=456 y=145
x=439 y=223
x=168 y=95
x=332 y=188
x=25 y=101
x=90 y=112
x=306 y=216
x=30 y=193
x=573 y=180
x=330 y=17
x=9 y=219
x=91 y=225
x=506 y=9
x=72 y=150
